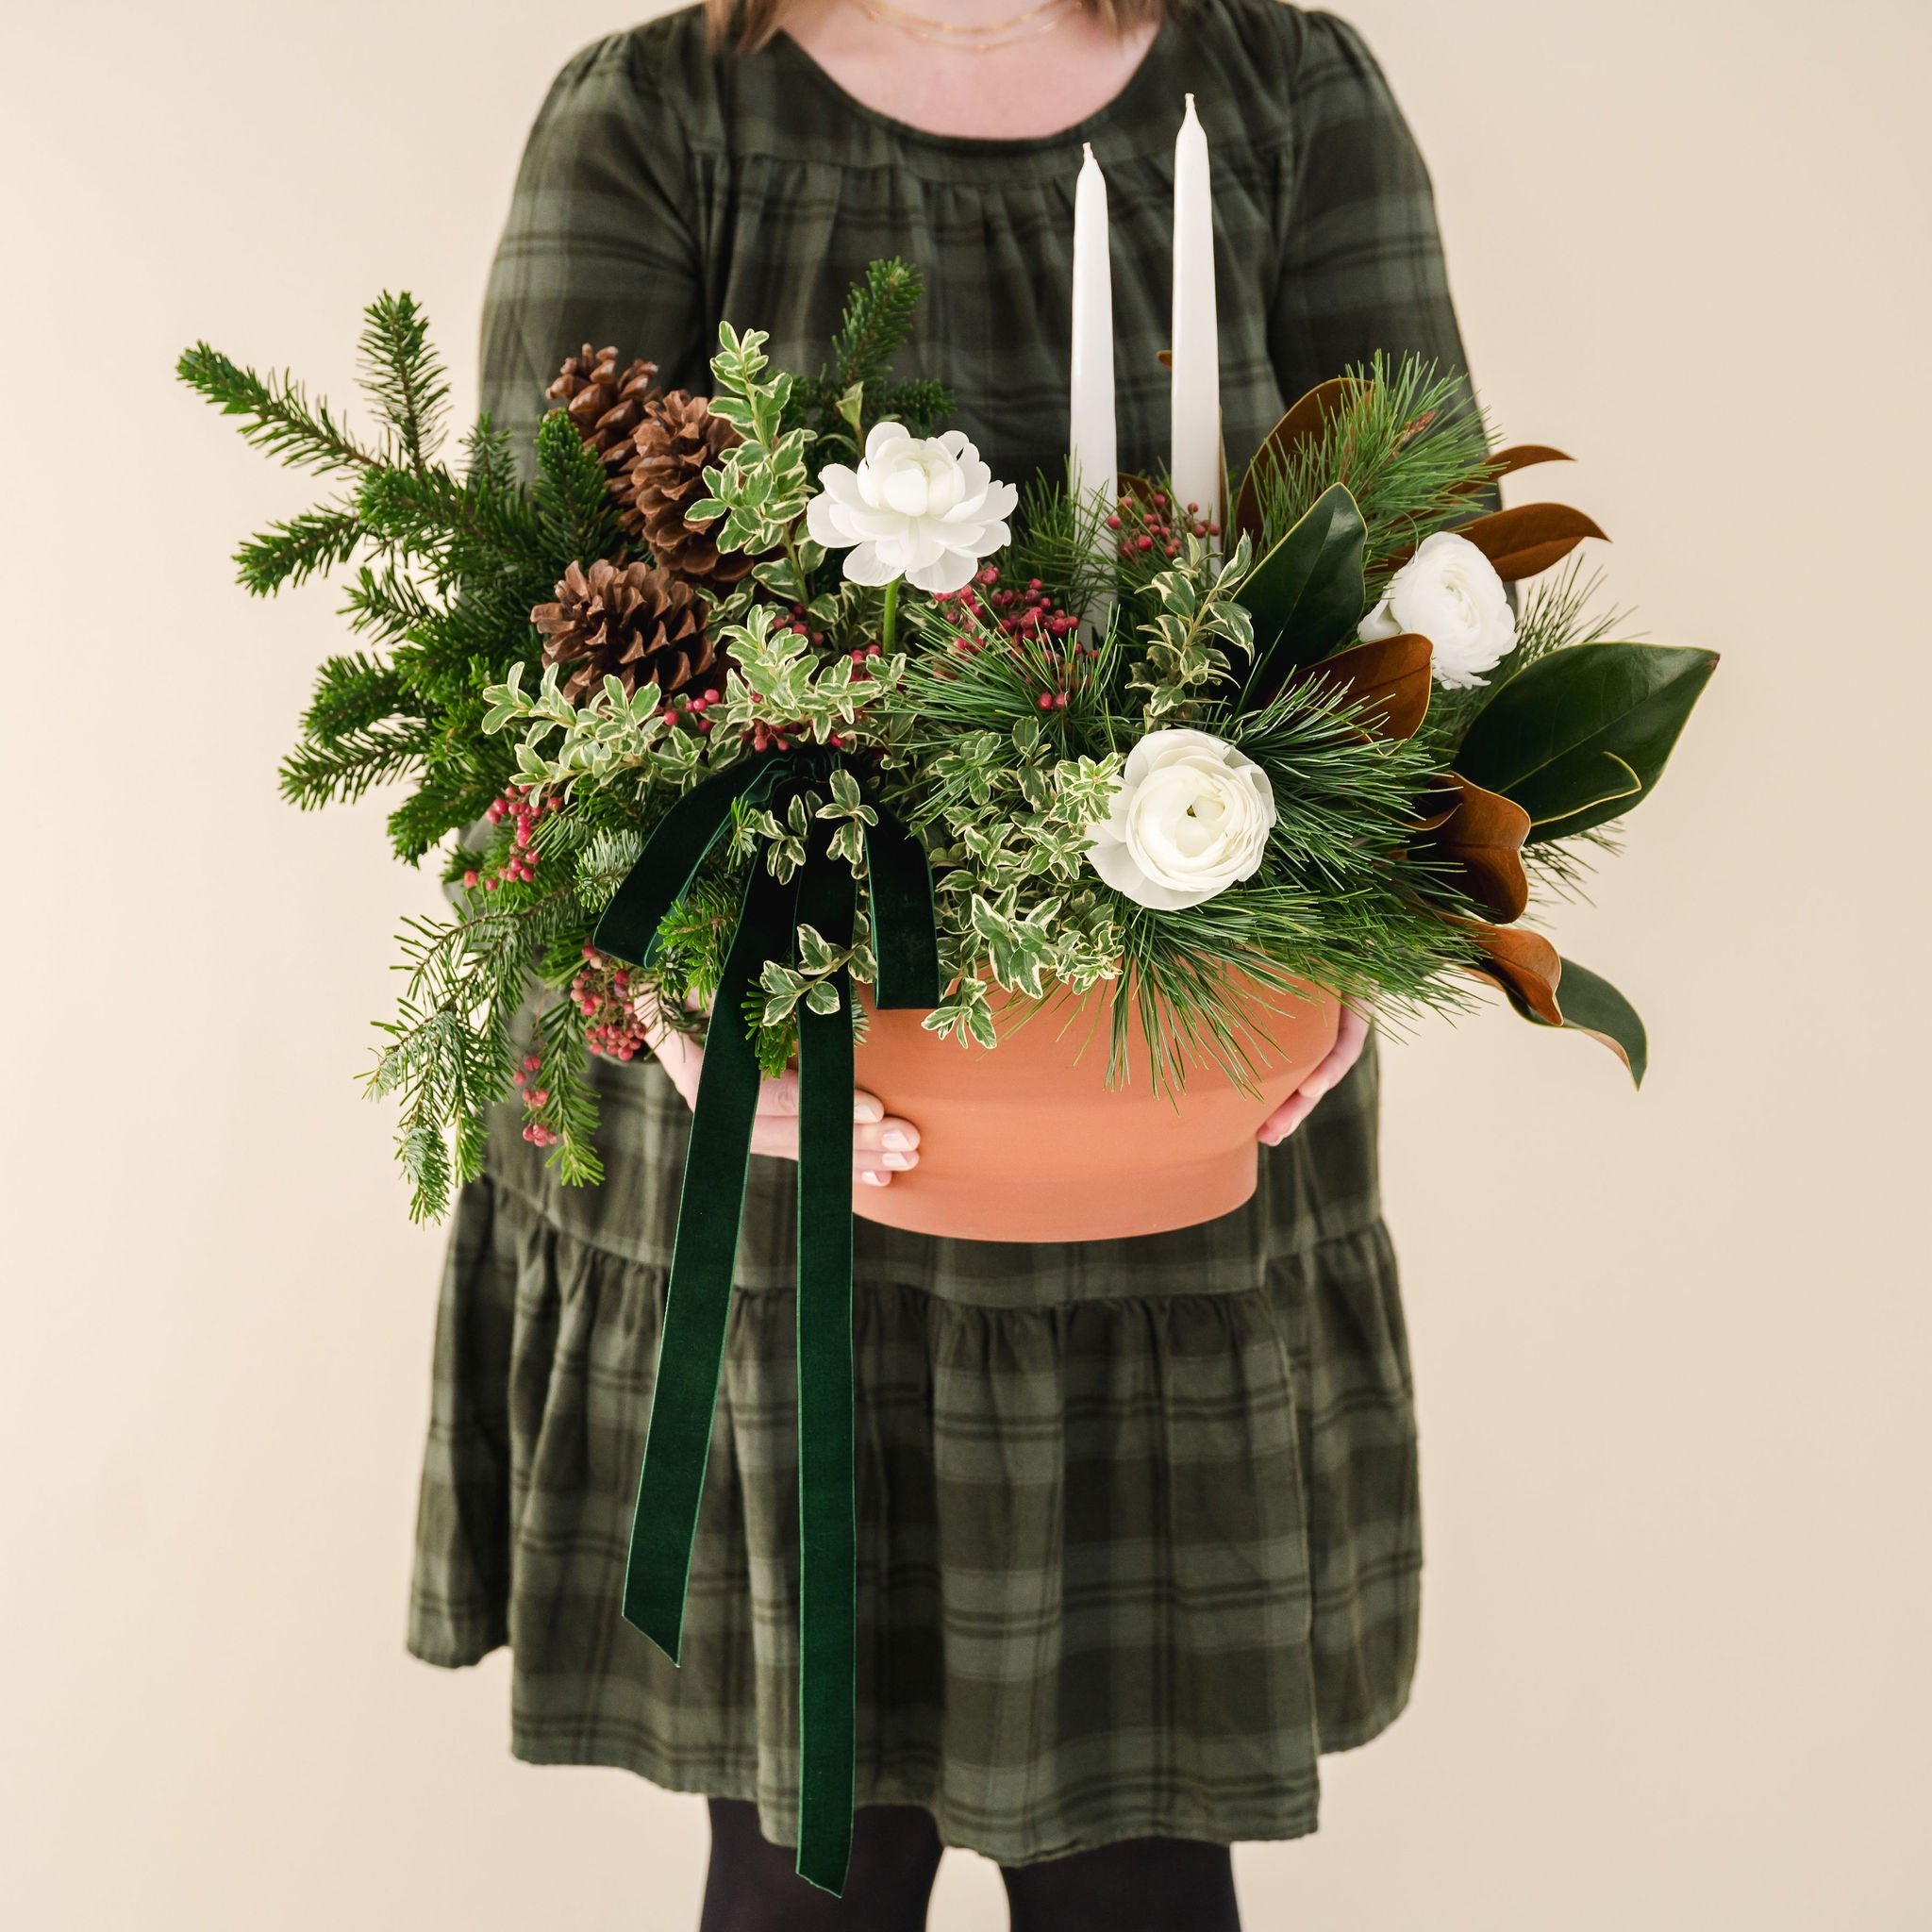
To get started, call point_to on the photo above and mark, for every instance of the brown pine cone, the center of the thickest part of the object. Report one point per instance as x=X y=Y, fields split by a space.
x=604 y=404
x=625 y=621
x=669 y=451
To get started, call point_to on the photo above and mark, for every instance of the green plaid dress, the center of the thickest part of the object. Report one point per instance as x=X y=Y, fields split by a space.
x=1138 y=1520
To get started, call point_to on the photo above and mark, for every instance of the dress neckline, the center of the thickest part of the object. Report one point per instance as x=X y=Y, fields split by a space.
x=1089 y=129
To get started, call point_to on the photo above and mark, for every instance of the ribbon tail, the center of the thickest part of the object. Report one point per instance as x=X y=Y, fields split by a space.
x=829 y=1547
x=669 y=863
x=904 y=934
x=697 y=1299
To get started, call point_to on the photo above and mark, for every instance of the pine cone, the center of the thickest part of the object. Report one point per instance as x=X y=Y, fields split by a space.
x=604 y=404
x=678 y=439
x=629 y=622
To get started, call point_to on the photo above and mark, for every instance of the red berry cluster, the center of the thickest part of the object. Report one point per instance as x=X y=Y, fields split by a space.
x=534 y=1130
x=1030 y=613
x=521 y=805
x=601 y=993
x=688 y=709
x=797 y=624
x=1149 y=526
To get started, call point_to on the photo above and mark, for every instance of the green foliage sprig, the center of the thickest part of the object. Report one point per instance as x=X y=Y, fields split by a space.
x=1409 y=444
x=856 y=388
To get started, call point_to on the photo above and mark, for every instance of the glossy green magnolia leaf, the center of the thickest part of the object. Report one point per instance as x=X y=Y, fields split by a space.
x=1592 y=1005
x=1582 y=735
x=1307 y=595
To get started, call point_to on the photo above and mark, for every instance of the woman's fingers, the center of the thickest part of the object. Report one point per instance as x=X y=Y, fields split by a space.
x=1350 y=1034
x=1286 y=1118
x=882 y=1144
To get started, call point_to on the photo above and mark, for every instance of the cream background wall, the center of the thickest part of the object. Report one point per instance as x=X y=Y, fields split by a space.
x=1671 y=1350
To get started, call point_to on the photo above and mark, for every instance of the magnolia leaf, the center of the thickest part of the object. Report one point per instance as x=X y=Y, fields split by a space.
x=1307 y=595
x=1479 y=838
x=1389 y=679
x=1524 y=541
x=1582 y=735
x=1308 y=419
x=1507 y=462
x=1526 y=966
x=1592 y=1005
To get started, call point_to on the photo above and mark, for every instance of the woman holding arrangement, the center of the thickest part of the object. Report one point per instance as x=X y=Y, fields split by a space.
x=1138 y=1520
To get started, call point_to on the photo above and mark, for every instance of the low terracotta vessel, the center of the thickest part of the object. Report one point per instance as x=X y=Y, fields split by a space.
x=1027 y=1142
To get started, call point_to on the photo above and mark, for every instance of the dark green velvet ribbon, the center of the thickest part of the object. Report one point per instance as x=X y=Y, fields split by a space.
x=697 y=1301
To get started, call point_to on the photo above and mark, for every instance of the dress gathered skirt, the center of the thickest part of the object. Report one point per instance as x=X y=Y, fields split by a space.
x=1130 y=1557
x=1138 y=1520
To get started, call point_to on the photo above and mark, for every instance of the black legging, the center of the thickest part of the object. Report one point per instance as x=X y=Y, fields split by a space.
x=1140 y=1885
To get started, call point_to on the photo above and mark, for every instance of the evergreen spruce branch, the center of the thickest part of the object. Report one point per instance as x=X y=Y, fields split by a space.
x=490 y=461
x=471 y=528
x=404 y=376
x=852 y=389
x=575 y=510
x=281 y=418
x=317 y=542
x=354 y=693
x=317 y=773
x=569 y=1107
x=449 y=1052
x=877 y=322
x=386 y=604
x=458 y=788
x=922 y=405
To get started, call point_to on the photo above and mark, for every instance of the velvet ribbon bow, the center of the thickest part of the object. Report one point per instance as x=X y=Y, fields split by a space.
x=823 y=893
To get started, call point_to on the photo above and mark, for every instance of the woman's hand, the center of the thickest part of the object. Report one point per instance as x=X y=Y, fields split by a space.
x=1350 y=1038
x=881 y=1144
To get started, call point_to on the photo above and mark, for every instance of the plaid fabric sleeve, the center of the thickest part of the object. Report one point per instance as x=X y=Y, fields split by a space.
x=1361 y=258
x=599 y=245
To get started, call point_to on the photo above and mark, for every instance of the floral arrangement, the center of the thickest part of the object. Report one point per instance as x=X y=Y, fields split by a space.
x=748 y=713
x=1317 y=746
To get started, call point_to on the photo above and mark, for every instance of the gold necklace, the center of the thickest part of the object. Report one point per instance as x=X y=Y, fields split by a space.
x=987 y=38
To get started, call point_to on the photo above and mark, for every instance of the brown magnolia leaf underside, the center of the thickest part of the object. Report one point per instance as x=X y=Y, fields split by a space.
x=1525 y=541
x=1389 y=678
x=1507 y=462
x=1480 y=836
x=1308 y=418
x=1525 y=965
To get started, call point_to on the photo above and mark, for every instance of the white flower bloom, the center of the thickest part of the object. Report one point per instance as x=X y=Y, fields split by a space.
x=1449 y=592
x=925 y=508
x=1192 y=816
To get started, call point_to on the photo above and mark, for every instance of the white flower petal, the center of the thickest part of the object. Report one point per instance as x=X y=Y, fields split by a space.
x=868 y=564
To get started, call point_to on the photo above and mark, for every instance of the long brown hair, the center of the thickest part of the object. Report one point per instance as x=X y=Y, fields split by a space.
x=744 y=25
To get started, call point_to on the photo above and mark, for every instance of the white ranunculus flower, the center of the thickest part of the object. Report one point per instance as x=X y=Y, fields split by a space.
x=925 y=508
x=1449 y=592
x=1192 y=816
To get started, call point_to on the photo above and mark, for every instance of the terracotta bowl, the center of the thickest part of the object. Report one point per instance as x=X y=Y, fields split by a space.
x=1027 y=1142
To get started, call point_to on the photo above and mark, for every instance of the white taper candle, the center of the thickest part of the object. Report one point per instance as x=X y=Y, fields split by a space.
x=1093 y=448
x=1194 y=452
